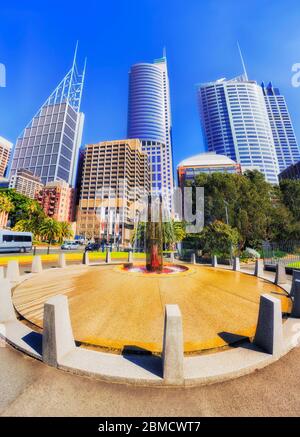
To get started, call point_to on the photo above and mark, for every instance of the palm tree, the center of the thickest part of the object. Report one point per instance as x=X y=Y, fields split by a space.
x=65 y=231
x=50 y=230
x=6 y=205
x=24 y=226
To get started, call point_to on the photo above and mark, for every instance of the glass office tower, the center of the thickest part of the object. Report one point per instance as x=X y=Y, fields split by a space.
x=149 y=119
x=49 y=145
x=235 y=123
x=286 y=145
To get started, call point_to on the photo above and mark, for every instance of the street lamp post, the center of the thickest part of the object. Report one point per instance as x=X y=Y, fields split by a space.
x=227 y=221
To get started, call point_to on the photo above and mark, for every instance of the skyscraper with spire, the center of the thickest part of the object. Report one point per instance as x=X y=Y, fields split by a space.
x=149 y=119
x=235 y=123
x=49 y=145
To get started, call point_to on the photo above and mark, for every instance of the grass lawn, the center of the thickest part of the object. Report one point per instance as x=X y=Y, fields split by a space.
x=295 y=265
x=27 y=259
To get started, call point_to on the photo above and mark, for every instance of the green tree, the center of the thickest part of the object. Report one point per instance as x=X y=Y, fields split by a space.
x=65 y=231
x=290 y=196
x=219 y=238
x=173 y=232
x=24 y=208
x=49 y=230
x=249 y=200
x=6 y=205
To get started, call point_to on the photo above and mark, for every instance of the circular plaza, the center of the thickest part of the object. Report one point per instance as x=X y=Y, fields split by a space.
x=116 y=310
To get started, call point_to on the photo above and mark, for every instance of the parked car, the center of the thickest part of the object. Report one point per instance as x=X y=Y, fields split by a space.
x=70 y=245
x=93 y=247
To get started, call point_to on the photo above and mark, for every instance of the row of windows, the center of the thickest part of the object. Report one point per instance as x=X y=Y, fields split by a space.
x=16 y=238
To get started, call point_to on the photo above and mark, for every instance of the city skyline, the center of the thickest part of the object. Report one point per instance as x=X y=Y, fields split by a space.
x=190 y=62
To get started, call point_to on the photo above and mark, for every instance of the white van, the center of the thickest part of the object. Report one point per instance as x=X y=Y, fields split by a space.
x=11 y=241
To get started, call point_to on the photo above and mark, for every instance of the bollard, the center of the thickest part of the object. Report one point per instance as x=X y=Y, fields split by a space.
x=173 y=353
x=108 y=257
x=58 y=339
x=172 y=257
x=1 y=273
x=86 y=259
x=193 y=258
x=280 y=277
x=296 y=302
x=7 y=312
x=259 y=268
x=130 y=257
x=62 y=260
x=13 y=271
x=296 y=276
x=236 y=264
x=269 y=332
x=214 y=261
x=36 y=266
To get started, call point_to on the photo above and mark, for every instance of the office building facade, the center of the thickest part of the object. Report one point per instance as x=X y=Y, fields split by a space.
x=26 y=183
x=207 y=163
x=49 y=145
x=235 y=123
x=5 y=151
x=291 y=172
x=149 y=119
x=286 y=145
x=57 y=200
x=115 y=180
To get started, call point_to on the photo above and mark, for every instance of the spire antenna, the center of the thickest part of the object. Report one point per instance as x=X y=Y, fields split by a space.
x=75 y=54
x=242 y=60
x=164 y=52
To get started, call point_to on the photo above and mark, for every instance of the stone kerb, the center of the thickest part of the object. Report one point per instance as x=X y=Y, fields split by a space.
x=36 y=266
x=7 y=312
x=108 y=257
x=173 y=353
x=296 y=276
x=269 y=332
x=280 y=277
x=13 y=271
x=236 y=264
x=62 y=261
x=58 y=339
x=259 y=268
x=86 y=259
x=214 y=261
x=296 y=302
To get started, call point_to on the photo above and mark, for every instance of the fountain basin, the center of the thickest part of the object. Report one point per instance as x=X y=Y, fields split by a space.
x=114 y=310
x=167 y=269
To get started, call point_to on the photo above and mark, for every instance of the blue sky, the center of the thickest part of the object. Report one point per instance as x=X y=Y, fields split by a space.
x=37 y=41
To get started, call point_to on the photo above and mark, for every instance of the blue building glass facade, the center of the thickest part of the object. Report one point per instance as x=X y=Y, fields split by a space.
x=149 y=119
x=286 y=145
x=235 y=123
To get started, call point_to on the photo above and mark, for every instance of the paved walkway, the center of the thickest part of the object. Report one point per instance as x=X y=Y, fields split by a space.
x=29 y=388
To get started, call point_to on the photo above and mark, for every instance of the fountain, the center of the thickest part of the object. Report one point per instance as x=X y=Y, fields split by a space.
x=154 y=239
x=154 y=243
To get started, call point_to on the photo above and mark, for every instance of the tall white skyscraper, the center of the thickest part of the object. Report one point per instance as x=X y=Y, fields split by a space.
x=149 y=119
x=49 y=145
x=235 y=123
x=286 y=145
